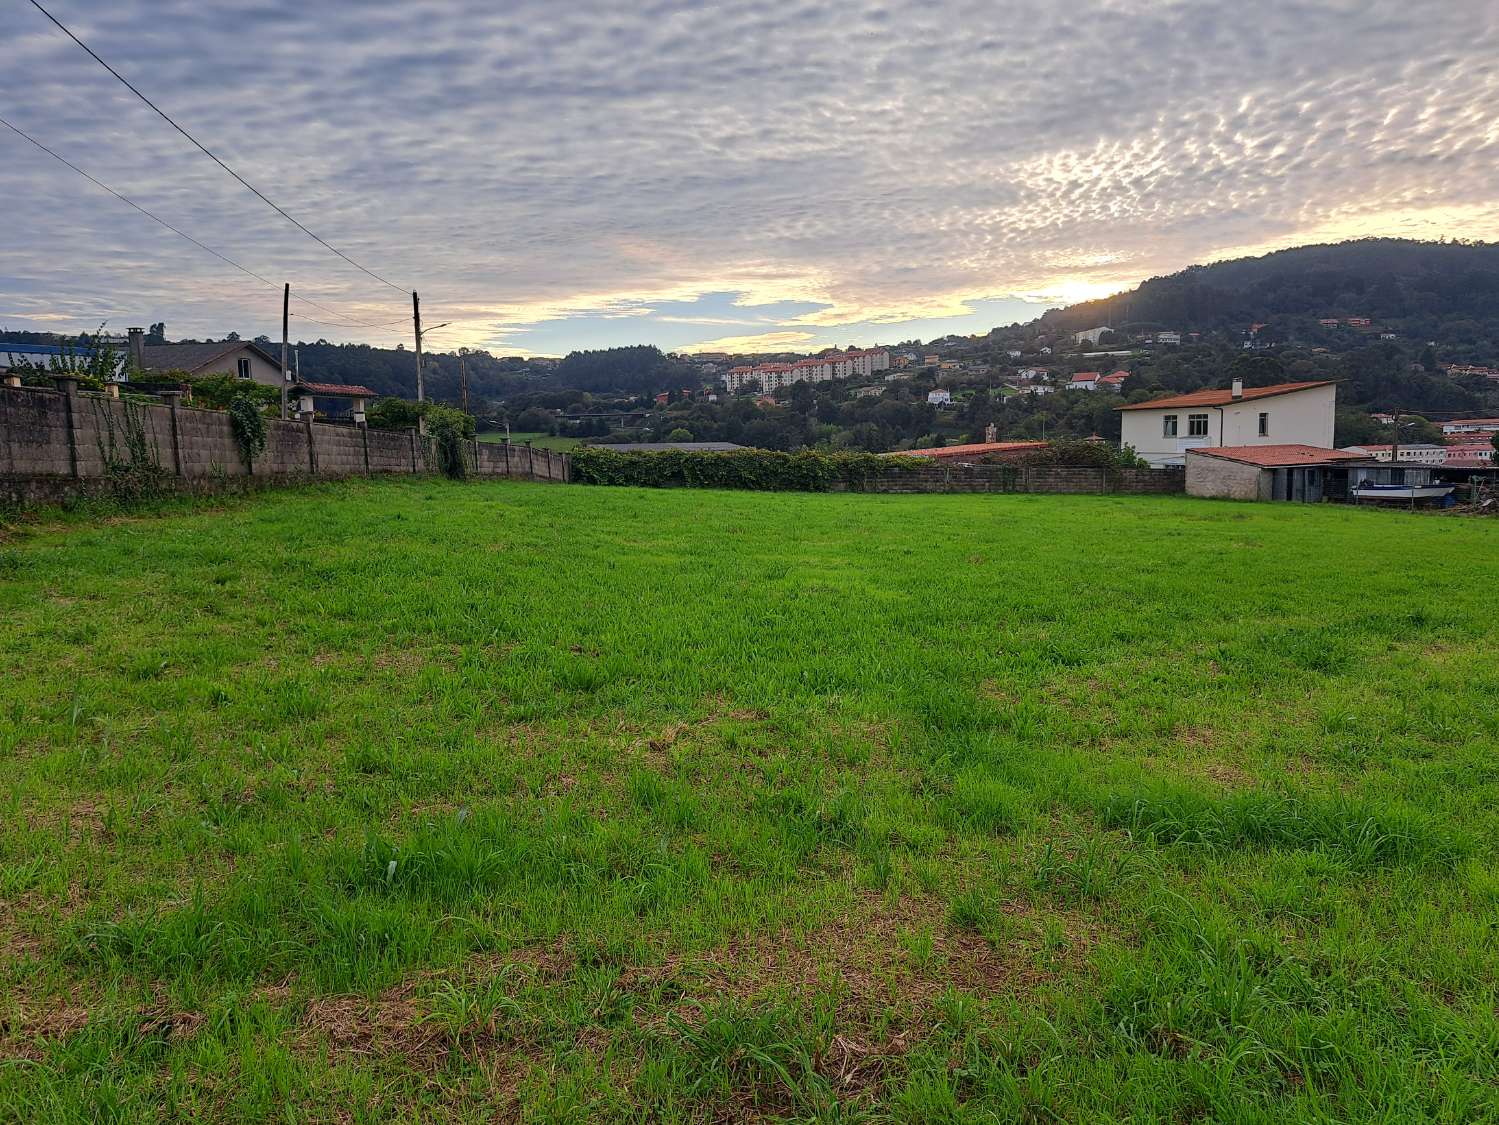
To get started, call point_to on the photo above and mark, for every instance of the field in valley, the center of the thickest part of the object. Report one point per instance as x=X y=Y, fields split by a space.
x=540 y=441
x=415 y=800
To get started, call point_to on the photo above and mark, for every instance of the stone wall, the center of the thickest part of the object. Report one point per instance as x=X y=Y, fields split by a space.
x=1222 y=479
x=56 y=444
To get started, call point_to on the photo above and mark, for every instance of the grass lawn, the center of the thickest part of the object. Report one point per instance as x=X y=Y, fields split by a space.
x=459 y=802
x=540 y=441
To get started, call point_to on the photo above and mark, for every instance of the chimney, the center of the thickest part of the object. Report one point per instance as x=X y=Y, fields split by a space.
x=1238 y=391
x=137 y=348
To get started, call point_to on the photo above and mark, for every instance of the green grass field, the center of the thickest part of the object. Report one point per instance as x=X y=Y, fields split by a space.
x=540 y=441
x=424 y=801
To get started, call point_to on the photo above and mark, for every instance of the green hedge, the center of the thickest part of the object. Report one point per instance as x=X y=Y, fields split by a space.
x=759 y=469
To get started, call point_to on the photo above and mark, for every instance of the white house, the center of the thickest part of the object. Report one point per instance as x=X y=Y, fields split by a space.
x=1162 y=430
x=1084 y=381
x=243 y=359
x=939 y=398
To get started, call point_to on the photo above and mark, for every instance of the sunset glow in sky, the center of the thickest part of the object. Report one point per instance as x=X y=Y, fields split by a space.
x=746 y=175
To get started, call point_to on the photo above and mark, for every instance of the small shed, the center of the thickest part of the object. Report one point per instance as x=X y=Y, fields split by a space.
x=1302 y=473
x=336 y=398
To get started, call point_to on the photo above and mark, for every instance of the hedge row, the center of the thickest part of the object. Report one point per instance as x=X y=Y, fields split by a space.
x=759 y=469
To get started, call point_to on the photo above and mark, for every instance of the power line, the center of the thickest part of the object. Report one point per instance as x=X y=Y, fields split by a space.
x=210 y=154
x=202 y=246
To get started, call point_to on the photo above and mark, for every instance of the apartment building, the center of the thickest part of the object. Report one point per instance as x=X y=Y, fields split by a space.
x=819 y=369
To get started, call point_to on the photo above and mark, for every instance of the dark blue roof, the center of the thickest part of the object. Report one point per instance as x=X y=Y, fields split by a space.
x=42 y=349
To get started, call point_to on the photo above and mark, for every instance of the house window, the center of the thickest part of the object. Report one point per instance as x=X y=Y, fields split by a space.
x=1168 y=426
x=1264 y=425
x=1197 y=425
x=244 y=368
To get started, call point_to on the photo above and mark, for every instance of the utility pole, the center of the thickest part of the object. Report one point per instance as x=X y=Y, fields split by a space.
x=1395 y=441
x=285 y=327
x=416 y=316
x=463 y=378
x=297 y=355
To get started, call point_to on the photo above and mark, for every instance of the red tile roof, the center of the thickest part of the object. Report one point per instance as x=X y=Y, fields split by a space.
x=1222 y=398
x=1277 y=456
x=977 y=449
x=337 y=390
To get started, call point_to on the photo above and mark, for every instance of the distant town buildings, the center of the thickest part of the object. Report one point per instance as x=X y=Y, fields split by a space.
x=1094 y=381
x=1413 y=453
x=1471 y=426
x=820 y=369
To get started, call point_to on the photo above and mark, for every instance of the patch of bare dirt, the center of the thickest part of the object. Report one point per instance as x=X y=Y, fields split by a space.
x=720 y=711
x=36 y=1024
x=389 y=1025
x=403 y=660
x=1227 y=774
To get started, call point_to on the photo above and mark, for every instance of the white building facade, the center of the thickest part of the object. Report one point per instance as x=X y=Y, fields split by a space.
x=1161 y=431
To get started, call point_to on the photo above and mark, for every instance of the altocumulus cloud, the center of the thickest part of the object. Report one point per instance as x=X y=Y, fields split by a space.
x=590 y=173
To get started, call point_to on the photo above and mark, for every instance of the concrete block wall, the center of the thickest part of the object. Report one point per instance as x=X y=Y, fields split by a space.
x=285 y=450
x=55 y=444
x=340 y=450
x=1219 y=478
x=528 y=462
x=390 y=451
x=102 y=428
x=35 y=425
x=205 y=445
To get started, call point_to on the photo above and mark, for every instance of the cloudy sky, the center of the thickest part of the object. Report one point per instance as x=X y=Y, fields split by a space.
x=749 y=174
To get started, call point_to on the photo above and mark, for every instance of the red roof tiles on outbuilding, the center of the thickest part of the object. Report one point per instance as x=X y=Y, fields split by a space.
x=1277 y=456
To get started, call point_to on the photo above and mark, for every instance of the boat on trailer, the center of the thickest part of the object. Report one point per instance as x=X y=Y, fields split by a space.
x=1403 y=493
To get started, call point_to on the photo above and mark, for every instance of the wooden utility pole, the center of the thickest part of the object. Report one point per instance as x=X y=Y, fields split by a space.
x=463 y=378
x=416 y=316
x=285 y=329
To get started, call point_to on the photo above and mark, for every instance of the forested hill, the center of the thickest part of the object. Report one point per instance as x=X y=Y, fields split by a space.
x=1444 y=291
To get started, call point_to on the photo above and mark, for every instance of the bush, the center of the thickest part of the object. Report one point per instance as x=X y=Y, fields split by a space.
x=535 y=421
x=391 y=413
x=248 y=423
x=758 y=469
x=448 y=428
x=218 y=392
x=1081 y=455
